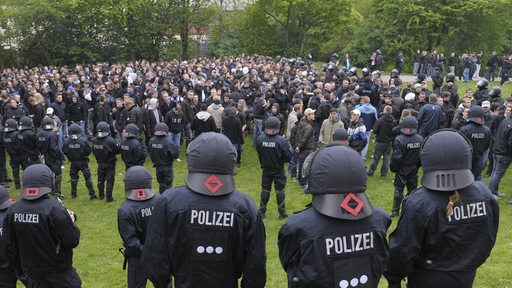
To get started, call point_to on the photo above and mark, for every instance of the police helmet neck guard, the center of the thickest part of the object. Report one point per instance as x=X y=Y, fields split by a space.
x=74 y=131
x=103 y=129
x=37 y=181
x=47 y=123
x=5 y=199
x=161 y=129
x=25 y=123
x=272 y=126
x=131 y=131
x=138 y=183
x=211 y=162
x=10 y=125
x=476 y=114
x=446 y=161
x=409 y=125
x=326 y=169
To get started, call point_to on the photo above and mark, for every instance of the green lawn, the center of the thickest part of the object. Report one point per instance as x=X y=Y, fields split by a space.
x=99 y=263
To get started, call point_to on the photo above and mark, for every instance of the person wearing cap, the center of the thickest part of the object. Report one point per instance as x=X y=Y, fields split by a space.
x=448 y=226
x=501 y=151
x=105 y=148
x=480 y=137
x=206 y=233
x=48 y=146
x=305 y=141
x=340 y=239
x=328 y=127
x=405 y=160
x=273 y=151
x=57 y=125
x=163 y=151
x=356 y=131
x=133 y=217
x=8 y=275
x=39 y=233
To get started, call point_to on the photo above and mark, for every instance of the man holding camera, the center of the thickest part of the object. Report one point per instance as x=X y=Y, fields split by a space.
x=40 y=234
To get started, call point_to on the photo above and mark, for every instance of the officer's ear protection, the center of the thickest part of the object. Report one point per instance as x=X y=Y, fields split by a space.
x=447 y=129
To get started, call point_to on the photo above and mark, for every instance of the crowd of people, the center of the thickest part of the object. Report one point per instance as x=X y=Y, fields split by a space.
x=298 y=114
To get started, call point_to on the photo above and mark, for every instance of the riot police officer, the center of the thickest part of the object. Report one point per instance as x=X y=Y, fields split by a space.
x=105 y=149
x=163 y=152
x=10 y=137
x=340 y=239
x=26 y=143
x=273 y=151
x=405 y=161
x=133 y=152
x=40 y=234
x=8 y=276
x=133 y=218
x=211 y=229
x=77 y=149
x=480 y=137
x=48 y=146
x=447 y=227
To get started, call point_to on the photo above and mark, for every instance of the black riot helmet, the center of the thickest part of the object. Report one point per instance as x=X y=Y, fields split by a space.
x=476 y=114
x=26 y=123
x=409 y=125
x=495 y=92
x=309 y=57
x=5 y=198
x=37 y=181
x=366 y=72
x=450 y=77
x=272 y=125
x=335 y=56
x=211 y=160
x=10 y=125
x=482 y=83
x=47 y=123
x=161 y=129
x=102 y=129
x=446 y=161
x=74 y=131
x=131 y=130
x=326 y=169
x=138 y=184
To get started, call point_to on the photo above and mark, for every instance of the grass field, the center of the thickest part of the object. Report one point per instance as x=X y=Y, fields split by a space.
x=99 y=263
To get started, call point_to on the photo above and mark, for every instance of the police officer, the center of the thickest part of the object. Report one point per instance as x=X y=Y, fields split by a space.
x=447 y=227
x=480 y=137
x=10 y=137
x=48 y=146
x=40 y=234
x=213 y=231
x=133 y=152
x=340 y=239
x=26 y=143
x=273 y=151
x=133 y=218
x=77 y=149
x=405 y=161
x=105 y=149
x=8 y=276
x=163 y=152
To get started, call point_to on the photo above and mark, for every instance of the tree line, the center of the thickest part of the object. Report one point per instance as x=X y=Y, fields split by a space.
x=41 y=32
